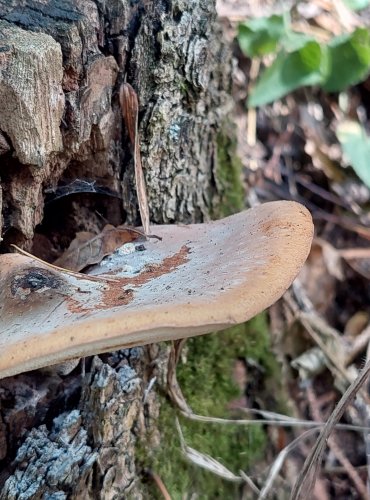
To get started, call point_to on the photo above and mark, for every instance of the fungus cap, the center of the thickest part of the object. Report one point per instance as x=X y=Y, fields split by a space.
x=198 y=279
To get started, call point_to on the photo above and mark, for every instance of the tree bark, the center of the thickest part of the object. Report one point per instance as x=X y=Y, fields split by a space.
x=66 y=166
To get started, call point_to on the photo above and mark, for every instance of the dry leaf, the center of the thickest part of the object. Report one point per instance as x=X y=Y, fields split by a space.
x=319 y=283
x=87 y=249
x=358 y=259
x=130 y=110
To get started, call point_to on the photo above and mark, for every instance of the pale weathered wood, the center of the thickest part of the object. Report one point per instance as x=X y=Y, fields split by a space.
x=61 y=65
x=31 y=95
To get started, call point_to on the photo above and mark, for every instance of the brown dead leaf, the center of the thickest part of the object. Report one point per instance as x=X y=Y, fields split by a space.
x=319 y=283
x=88 y=249
x=356 y=324
x=130 y=110
x=358 y=259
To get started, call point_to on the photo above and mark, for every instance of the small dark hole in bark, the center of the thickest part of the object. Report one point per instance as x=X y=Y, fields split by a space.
x=177 y=15
x=71 y=214
x=81 y=201
x=11 y=236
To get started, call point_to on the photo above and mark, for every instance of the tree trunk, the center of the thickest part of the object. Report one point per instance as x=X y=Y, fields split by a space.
x=66 y=166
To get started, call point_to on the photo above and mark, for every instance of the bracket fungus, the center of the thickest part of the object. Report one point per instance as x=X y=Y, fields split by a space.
x=197 y=279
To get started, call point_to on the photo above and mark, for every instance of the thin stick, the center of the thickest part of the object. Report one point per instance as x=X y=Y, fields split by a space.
x=141 y=233
x=308 y=474
x=67 y=271
x=160 y=484
x=279 y=462
x=332 y=443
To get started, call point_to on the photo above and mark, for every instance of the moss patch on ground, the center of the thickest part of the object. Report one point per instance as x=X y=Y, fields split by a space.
x=207 y=384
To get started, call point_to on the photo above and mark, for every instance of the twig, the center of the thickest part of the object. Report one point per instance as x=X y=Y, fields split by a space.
x=66 y=271
x=173 y=388
x=137 y=231
x=318 y=214
x=314 y=324
x=340 y=456
x=252 y=114
x=160 y=484
x=279 y=461
x=354 y=253
x=282 y=421
x=307 y=476
x=359 y=344
x=339 y=469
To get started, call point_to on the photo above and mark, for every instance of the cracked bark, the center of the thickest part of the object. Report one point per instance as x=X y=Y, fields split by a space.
x=61 y=64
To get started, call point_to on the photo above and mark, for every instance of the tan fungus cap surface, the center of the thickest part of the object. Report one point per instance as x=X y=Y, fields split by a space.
x=198 y=279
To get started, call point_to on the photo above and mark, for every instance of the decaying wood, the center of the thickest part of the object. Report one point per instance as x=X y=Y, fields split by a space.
x=61 y=65
x=31 y=95
x=93 y=439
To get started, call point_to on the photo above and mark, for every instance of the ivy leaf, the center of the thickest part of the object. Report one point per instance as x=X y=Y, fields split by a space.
x=292 y=40
x=261 y=35
x=356 y=147
x=309 y=65
x=350 y=56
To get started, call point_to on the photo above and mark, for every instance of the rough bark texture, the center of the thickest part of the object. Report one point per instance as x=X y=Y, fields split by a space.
x=66 y=166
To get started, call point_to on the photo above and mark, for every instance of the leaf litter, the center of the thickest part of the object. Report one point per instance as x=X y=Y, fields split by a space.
x=321 y=328
x=88 y=249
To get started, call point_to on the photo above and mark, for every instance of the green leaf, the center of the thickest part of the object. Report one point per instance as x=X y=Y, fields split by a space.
x=356 y=146
x=350 y=56
x=356 y=4
x=261 y=35
x=309 y=65
x=292 y=40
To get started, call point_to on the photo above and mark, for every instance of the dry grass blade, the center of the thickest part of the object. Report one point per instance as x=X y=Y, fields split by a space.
x=67 y=271
x=279 y=421
x=173 y=388
x=249 y=482
x=205 y=461
x=130 y=110
x=279 y=461
x=333 y=445
x=308 y=474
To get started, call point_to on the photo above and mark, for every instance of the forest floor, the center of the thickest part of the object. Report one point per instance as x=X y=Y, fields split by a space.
x=290 y=367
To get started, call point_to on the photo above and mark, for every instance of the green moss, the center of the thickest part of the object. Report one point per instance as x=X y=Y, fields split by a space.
x=207 y=384
x=228 y=177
